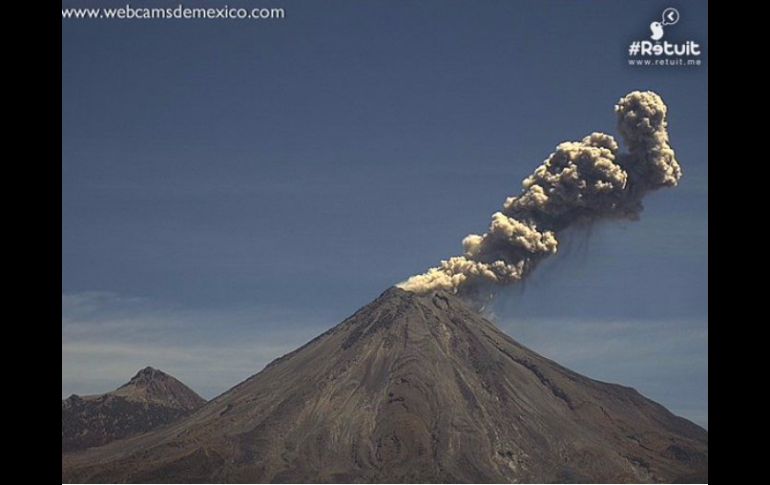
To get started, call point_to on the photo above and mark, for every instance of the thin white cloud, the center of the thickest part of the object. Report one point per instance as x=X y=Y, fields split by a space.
x=95 y=367
x=106 y=338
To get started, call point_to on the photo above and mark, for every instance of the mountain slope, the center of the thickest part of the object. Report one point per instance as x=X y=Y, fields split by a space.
x=412 y=388
x=149 y=400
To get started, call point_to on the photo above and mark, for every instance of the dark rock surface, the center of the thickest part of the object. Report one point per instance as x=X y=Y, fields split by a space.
x=417 y=389
x=151 y=399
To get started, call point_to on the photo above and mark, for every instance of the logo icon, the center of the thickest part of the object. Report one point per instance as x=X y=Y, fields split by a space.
x=670 y=17
x=659 y=52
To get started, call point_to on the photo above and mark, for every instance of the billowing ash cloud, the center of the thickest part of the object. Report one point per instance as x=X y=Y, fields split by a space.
x=581 y=181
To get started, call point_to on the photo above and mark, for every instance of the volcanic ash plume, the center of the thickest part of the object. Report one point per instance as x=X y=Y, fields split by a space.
x=581 y=181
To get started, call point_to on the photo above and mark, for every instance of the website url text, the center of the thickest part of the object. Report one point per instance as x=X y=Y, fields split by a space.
x=180 y=12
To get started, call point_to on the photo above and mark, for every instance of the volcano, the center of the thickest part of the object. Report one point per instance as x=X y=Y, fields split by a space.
x=149 y=400
x=411 y=388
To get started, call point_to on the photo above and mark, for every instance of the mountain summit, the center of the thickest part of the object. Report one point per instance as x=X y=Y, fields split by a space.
x=150 y=399
x=155 y=386
x=416 y=388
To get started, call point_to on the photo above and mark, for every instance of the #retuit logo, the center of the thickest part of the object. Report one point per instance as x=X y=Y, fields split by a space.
x=659 y=52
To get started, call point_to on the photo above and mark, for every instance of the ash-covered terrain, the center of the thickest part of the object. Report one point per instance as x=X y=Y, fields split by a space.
x=412 y=388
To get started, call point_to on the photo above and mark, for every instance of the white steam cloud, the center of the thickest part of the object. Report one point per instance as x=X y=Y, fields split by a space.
x=581 y=181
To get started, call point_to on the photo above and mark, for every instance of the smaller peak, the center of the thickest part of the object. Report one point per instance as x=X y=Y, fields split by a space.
x=148 y=373
x=72 y=401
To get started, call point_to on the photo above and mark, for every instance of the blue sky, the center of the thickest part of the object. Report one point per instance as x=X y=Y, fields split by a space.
x=232 y=189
